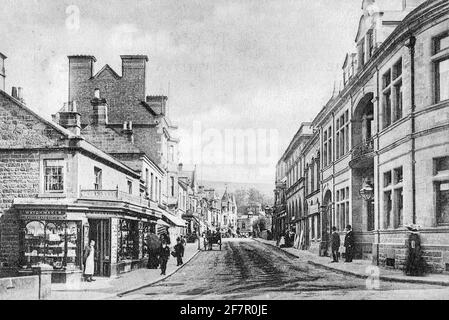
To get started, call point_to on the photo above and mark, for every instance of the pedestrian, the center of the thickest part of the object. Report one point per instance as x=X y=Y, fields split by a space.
x=89 y=262
x=153 y=245
x=183 y=241
x=335 y=244
x=349 y=244
x=179 y=251
x=164 y=255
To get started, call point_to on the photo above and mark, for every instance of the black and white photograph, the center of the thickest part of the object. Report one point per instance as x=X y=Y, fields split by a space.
x=237 y=151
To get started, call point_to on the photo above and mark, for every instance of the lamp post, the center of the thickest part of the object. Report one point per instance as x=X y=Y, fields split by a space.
x=367 y=191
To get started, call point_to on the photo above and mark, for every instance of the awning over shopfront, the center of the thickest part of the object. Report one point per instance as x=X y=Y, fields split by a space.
x=162 y=223
x=174 y=220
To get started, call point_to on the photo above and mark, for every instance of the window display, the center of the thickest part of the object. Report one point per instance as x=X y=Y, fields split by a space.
x=54 y=243
x=129 y=240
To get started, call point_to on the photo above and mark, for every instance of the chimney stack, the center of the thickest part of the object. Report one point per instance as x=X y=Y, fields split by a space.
x=69 y=119
x=128 y=130
x=14 y=92
x=100 y=106
x=2 y=71
x=158 y=104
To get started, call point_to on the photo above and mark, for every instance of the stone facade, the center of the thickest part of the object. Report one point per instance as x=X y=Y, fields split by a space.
x=383 y=138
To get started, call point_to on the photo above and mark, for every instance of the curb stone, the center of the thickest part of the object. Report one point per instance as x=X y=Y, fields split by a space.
x=363 y=276
x=121 y=294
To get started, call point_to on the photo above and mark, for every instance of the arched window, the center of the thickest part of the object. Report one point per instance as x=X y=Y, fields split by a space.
x=97 y=93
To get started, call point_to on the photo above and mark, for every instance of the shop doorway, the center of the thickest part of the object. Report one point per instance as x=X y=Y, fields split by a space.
x=100 y=231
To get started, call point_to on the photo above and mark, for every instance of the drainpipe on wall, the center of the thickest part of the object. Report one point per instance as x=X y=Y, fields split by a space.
x=378 y=160
x=410 y=43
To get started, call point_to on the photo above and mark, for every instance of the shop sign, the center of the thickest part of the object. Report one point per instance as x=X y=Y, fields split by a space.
x=44 y=214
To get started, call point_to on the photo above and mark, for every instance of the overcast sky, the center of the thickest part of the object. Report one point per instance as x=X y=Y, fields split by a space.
x=231 y=64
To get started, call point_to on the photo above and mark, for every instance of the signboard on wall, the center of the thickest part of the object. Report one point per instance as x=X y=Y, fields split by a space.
x=43 y=214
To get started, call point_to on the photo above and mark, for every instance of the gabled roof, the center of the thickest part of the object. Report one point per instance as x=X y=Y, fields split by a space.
x=108 y=68
x=84 y=145
x=57 y=127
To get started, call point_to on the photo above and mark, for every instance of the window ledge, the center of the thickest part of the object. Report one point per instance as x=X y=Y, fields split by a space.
x=52 y=195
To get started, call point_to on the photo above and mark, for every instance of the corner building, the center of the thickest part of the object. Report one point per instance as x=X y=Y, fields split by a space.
x=384 y=137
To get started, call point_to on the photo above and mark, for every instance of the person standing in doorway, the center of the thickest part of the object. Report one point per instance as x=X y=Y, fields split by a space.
x=335 y=244
x=89 y=262
x=164 y=255
x=349 y=244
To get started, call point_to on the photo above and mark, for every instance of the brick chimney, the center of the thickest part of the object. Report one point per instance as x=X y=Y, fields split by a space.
x=69 y=118
x=100 y=110
x=2 y=71
x=158 y=104
x=134 y=66
x=128 y=130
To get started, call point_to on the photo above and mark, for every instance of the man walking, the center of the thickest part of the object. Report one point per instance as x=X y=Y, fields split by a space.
x=164 y=255
x=349 y=244
x=335 y=244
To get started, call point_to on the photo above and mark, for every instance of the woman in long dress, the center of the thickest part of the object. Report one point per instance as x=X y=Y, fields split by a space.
x=89 y=265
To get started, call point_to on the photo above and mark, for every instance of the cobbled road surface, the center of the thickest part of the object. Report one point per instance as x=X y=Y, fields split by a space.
x=247 y=269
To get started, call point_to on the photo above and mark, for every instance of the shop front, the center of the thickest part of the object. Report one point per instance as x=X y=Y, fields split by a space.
x=54 y=238
x=51 y=238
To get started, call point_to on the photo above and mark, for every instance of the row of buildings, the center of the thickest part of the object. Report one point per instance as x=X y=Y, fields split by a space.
x=376 y=156
x=104 y=168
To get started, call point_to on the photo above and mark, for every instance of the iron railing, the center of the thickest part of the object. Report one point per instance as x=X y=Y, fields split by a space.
x=114 y=195
x=363 y=148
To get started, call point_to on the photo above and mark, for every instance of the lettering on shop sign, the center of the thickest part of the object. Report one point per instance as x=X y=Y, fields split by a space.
x=43 y=215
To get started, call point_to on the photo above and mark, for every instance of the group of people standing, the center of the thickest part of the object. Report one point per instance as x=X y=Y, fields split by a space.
x=348 y=244
x=158 y=249
x=158 y=256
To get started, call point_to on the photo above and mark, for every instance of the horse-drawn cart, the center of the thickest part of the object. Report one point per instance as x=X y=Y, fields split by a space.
x=212 y=239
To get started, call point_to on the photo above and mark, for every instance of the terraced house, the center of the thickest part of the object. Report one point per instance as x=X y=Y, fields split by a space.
x=384 y=137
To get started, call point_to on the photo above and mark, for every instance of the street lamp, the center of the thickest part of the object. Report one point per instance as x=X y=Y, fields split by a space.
x=367 y=191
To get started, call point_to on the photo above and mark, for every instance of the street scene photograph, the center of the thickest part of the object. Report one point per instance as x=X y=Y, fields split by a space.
x=236 y=151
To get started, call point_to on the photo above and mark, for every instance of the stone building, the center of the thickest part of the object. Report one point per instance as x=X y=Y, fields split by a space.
x=228 y=221
x=383 y=139
x=58 y=191
x=279 y=208
x=296 y=219
x=130 y=111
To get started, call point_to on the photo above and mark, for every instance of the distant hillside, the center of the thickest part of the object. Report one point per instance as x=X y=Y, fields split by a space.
x=264 y=188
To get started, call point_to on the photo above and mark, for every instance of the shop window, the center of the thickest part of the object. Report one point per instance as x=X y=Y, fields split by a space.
x=53 y=243
x=98 y=178
x=128 y=240
x=54 y=176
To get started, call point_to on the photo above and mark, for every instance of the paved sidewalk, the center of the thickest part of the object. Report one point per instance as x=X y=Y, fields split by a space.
x=109 y=288
x=361 y=268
